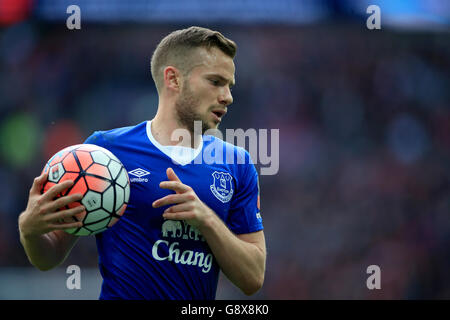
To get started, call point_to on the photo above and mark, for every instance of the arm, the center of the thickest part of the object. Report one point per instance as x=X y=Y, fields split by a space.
x=242 y=257
x=41 y=234
x=49 y=250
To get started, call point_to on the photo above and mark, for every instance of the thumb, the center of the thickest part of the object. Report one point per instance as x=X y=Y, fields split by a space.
x=171 y=175
x=38 y=183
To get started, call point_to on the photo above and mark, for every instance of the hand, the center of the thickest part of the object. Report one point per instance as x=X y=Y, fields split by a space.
x=186 y=204
x=42 y=216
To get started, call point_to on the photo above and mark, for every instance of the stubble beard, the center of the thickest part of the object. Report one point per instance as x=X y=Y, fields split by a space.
x=186 y=111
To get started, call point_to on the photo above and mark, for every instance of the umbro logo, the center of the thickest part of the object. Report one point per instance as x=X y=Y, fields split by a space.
x=138 y=173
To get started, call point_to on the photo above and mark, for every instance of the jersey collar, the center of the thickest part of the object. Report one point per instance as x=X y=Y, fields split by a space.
x=178 y=154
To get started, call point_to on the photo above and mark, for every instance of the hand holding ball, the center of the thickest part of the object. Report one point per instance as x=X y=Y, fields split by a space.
x=99 y=176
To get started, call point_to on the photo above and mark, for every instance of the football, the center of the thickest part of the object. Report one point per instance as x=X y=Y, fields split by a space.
x=99 y=176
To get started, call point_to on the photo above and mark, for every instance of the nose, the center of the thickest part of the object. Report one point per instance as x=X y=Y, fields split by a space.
x=226 y=98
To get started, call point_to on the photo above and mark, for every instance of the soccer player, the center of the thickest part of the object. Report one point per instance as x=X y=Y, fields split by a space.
x=186 y=219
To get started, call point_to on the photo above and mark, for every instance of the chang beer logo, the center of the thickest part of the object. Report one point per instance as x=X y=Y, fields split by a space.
x=222 y=188
x=180 y=229
x=173 y=251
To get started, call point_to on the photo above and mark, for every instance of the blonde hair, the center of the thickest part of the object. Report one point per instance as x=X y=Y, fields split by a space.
x=176 y=50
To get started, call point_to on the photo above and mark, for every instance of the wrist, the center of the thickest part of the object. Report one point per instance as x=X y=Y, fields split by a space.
x=25 y=235
x=208 y=222
x=23 y=230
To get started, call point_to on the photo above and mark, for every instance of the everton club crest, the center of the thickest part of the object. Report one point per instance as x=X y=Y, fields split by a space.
x=222 y=188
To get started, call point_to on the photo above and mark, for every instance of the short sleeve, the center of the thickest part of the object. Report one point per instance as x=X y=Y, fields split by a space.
x=244 y=215
x=97 y=139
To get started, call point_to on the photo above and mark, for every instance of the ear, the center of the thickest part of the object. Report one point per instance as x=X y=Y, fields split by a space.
x=172 y=78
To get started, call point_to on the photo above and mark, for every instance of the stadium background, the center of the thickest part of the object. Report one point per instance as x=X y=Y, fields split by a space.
x=364 y=121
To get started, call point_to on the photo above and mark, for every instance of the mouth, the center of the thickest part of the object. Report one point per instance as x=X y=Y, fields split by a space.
x=218 y=114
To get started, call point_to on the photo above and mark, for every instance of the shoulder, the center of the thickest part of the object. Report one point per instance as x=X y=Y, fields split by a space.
x=113 y=135
x=237 y=151
x=237 y=158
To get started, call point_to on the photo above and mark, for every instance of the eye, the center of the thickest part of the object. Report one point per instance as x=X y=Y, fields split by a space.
x=214 y=82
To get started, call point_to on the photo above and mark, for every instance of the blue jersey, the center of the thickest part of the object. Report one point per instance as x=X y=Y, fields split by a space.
x=144 y=256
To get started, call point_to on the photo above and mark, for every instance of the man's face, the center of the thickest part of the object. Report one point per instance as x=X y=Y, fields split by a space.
x=206 y=90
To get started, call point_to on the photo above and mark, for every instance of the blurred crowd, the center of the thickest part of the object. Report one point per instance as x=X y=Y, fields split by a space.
x=364 y=120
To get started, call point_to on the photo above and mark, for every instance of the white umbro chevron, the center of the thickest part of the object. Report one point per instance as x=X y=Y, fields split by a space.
x=138 y=172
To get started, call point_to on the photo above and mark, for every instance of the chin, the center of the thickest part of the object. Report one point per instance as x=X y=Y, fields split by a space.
x=210 y=125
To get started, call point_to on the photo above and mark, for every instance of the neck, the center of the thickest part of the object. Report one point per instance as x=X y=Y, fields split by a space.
x=163 y=128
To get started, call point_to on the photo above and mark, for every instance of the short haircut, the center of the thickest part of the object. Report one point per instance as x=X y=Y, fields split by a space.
x=176 y=50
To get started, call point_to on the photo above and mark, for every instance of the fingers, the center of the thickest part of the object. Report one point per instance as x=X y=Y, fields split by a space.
x=64 y=226
x=173 y=199
x=56 y=189
x=181 y=215
x=171 y=175
x=185 y=206
x=176 y=186
x=63 y=201
x=63 y=214
x=38 y=183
